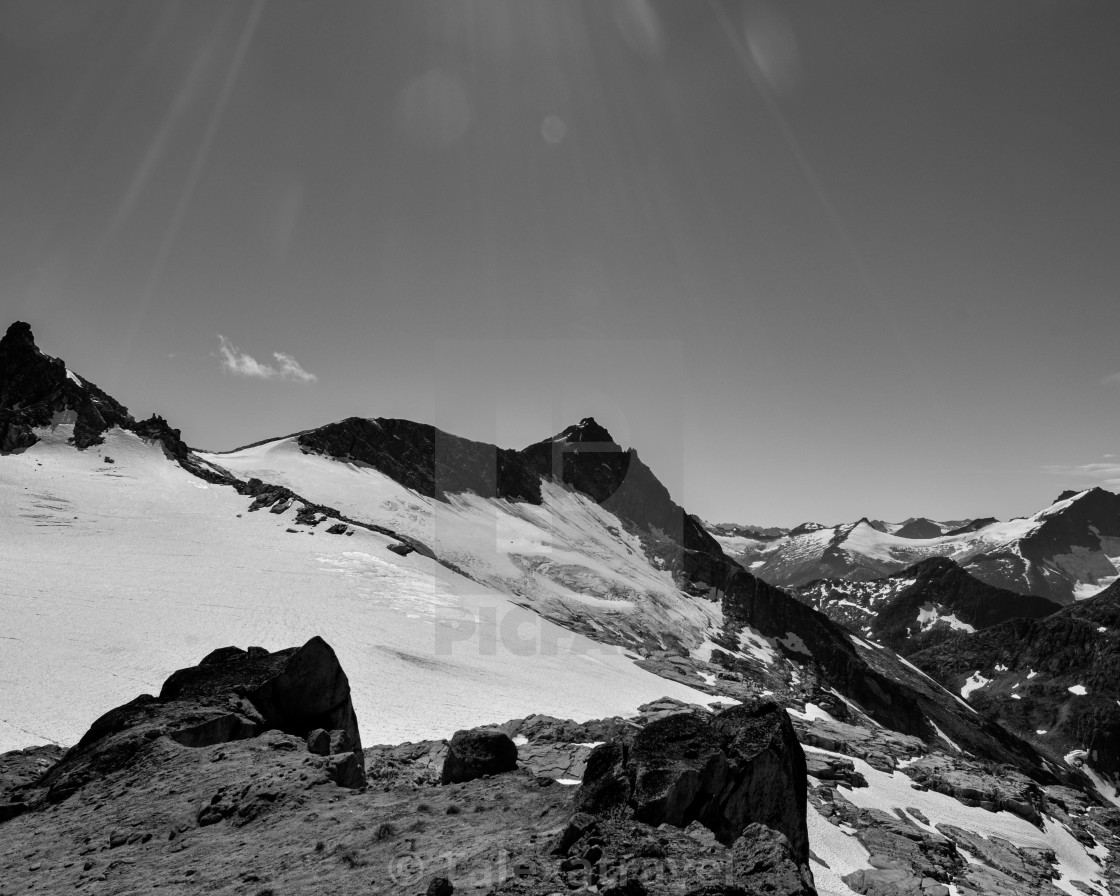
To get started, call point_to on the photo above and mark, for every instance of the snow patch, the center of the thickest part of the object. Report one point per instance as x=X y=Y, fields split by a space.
x=931 y=614
x=889 y=792
x=945 y=737
x=974 y=683
x=793 y=643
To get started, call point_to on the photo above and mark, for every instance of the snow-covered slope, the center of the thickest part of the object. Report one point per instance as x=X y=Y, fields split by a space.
x=117 y=573
x=1068 y=551
x=567 y=558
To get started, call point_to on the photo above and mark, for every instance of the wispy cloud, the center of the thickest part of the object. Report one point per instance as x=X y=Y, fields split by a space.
x=1104 y=473
x=241 y=363
x=1113 y=379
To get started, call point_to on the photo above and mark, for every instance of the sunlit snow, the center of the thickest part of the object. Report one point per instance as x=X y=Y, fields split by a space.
x=116 y=575
x=974 y=683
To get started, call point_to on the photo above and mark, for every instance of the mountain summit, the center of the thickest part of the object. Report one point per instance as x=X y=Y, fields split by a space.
x=38 y=390
x=587 y=430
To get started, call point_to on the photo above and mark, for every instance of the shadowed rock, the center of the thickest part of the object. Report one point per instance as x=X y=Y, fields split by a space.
x=727 y=772
x=233 y=694
x=477 y=752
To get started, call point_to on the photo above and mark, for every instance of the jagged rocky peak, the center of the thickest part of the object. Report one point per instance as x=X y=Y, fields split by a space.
x=37 y=390
x=19 y=335
x=806 y=528
x=587 y=430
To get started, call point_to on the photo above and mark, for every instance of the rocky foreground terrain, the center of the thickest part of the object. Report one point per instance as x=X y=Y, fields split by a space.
x=246 y=775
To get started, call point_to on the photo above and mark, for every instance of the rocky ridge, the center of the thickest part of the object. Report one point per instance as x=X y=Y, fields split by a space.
x=923 y=605
x=1054 y=681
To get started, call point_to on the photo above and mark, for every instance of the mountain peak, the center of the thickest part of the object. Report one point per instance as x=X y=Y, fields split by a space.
x=19 y=335
x=35 y=388
x=587 y=430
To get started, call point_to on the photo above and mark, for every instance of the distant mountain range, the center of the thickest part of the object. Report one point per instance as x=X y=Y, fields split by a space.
x=1067 y=551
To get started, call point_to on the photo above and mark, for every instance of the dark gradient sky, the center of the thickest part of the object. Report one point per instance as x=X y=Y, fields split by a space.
x=815 y=260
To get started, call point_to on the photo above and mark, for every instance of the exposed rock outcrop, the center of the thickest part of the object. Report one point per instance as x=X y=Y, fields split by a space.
x=37 y=390
x=919 y=527
x=425 y=459
x=726 y=771
x=233 y=694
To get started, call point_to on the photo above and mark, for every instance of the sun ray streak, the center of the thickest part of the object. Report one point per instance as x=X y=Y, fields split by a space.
x=186 y=195
x=831 y=213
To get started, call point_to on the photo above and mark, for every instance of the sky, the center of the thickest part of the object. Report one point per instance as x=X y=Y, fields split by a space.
x=814 y=260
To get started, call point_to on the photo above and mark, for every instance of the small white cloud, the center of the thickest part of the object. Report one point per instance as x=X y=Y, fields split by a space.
x=290 y=369
x=241 y=363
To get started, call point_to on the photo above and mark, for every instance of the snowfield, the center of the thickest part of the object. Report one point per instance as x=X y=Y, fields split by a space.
x=568 y=558
x=893 y=792
x=117 y=574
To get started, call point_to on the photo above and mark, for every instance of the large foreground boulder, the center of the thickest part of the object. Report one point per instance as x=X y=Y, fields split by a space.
x=232 y=694
x=726 y=771
x=477 y=752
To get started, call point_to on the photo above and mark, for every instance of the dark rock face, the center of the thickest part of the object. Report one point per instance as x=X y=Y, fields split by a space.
x=477 y=752
x=310 y=691
x=741 y=766
x=231 y=695
x=35 y=388
x=765 y=860
x=427 y=460
x=1081 y=525
x=585 y=457
x=919 y=528
x=1079 y=645
x=941 y=581
x=973 y=526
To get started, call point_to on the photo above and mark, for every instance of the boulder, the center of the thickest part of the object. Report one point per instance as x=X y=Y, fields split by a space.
x=440 y=886
x=727 y=771
x=319 y=742
x=232 y=694
x=477 y=752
